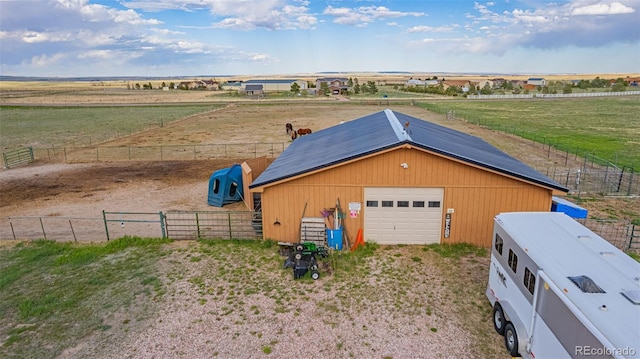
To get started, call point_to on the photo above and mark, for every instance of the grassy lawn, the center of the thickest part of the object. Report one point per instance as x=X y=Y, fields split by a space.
x=608 y=128
x=56 y=296
x=61 y=126
x=53 y=294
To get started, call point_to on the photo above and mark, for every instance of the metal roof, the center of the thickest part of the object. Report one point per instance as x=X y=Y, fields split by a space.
x=388 y=129
x=270 y=81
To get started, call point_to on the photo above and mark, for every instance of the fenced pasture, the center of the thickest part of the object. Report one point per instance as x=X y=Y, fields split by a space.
x=227 y=133
x=78 y=126
x=606 y=128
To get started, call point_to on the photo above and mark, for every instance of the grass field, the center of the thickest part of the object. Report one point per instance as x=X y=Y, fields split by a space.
x=608 y=128
x=70 y=300
x=71 y=126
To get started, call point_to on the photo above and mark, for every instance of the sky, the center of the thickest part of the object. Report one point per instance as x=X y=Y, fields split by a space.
x=79 y=38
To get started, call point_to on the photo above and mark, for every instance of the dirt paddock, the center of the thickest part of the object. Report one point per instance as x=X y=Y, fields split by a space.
x=86 y=189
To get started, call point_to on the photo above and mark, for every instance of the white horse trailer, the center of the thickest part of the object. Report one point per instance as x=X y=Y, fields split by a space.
x=558 y=290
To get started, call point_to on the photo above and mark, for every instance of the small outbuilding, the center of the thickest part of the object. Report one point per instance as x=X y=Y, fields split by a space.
x=399 y=180
x=225 y=186
x=567 y=207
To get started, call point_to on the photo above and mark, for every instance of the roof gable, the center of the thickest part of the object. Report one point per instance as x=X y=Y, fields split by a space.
x=388 y=129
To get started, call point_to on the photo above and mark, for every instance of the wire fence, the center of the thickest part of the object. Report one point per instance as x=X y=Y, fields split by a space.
x=176 y=225
x=190 y=225
x=159 y=152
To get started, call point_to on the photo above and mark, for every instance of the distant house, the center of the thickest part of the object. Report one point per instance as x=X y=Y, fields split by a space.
x=211 y=85
x=537 y=81
x=419 y=82
x=336 y=85
x=461 y=84
x=275 y=85
x=498 y=82
x=481 y=84
x=252 y=90
x=632 y=81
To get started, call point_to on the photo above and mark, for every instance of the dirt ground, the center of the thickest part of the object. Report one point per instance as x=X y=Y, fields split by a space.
x=86 y=189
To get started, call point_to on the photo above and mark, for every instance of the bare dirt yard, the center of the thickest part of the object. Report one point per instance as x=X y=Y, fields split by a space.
x=434 y=312
x=85 y=189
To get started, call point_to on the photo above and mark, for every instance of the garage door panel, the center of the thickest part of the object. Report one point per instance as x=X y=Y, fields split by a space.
x=417 y=221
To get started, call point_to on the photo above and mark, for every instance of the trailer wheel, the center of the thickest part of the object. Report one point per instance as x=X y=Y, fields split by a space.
x=315 y=275
x=498 y=319
x=511 y=340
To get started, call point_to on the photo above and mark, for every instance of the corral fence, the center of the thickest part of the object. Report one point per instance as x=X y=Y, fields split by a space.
x=189 y=225
x=176 y=225
x=579 y=170
x=553 y=95
x=625 y=235
x=18 y=157
x=159 y=153
x=603 y=178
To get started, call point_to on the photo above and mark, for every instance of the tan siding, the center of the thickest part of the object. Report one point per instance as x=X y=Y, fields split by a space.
x=476 y=195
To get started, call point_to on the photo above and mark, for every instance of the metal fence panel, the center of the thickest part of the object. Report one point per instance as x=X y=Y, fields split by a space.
x=213 y=224
x=615 y=232
x=63 y=229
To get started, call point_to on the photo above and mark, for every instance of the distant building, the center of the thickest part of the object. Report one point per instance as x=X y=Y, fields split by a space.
x=537 y=81
x=274 y=85
x=336 y=85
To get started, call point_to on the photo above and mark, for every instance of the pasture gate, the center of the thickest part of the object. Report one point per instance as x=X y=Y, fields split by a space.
x=17 y=157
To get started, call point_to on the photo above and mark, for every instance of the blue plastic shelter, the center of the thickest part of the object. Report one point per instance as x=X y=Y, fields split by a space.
x=225 y=186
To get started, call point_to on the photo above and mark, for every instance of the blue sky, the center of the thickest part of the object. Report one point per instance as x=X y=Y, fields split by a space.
x=69 y=38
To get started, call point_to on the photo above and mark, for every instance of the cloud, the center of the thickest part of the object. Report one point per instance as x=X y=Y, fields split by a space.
x=615 y=8
x=101 y=13
x=364 y=15
x=423 y=28
x=268 y=14
x=47 y=60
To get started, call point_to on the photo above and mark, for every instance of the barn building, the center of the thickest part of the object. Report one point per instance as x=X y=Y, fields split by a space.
x=401 y=180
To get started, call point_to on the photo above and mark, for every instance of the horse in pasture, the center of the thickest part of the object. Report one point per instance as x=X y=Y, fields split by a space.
x=294 y=135
x=289 y=128
x=304 y=131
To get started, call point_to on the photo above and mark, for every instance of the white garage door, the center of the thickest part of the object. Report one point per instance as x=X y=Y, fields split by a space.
x=403 y=215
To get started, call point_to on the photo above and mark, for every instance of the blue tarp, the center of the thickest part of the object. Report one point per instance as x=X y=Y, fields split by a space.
x=570 y=209
x=225 y=186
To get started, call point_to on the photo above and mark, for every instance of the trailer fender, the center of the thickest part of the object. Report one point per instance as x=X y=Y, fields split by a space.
x=521 y=330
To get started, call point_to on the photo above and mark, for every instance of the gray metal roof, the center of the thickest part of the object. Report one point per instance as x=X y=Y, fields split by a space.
x=386 y=129
x=270 y=81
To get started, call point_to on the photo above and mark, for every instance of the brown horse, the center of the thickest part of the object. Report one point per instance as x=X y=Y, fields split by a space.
x=294 y=135
x=289 y=128
x=304 y=131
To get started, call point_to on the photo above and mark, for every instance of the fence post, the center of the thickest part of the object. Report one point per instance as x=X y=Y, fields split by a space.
x=162 y=226
x=13 y=232
x=42 y=226
x=198 y=225
x=106 y=226
x=229 y=221
x=73 y=232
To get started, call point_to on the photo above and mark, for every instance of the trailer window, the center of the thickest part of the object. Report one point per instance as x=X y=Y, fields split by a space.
x=529 y=280
x=513 y=261
x=499 y=244
x=586 y=284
